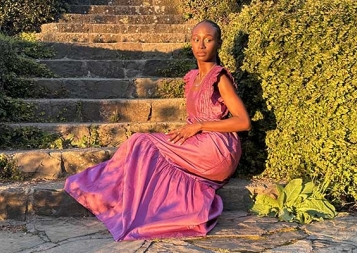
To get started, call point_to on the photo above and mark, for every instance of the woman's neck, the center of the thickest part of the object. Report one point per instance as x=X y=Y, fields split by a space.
x=204 y=69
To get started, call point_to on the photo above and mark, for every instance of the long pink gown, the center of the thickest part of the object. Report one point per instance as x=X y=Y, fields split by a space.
x=152 y=188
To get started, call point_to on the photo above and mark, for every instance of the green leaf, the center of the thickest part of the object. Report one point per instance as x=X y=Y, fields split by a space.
x=320 y=208
x=264 y=205
x=286 y=215
x=292 y=191
x=281 y=196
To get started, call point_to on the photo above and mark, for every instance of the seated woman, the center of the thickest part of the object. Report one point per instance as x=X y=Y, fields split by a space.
x=161 y=185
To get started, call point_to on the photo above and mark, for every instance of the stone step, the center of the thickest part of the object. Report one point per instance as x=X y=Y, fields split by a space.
x=123 y=9
x=109 y=88
x=118 y=68
x=21 y=200
x=123 y=2
x=115 y=28
x=113 y=37
x=100 y=110
x=86 y=135
x=121 y=50
x=52 y=164
x=122 y=19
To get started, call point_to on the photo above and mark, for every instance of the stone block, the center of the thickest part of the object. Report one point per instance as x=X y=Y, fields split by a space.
x=13 y=204
x=168 y=110
x=43 y=164
x=112 y=135
x=81 y=159
x=49 y=202
x=107 y=69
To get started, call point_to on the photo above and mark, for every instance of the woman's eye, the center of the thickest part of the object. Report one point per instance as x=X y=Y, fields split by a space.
x=206 y=40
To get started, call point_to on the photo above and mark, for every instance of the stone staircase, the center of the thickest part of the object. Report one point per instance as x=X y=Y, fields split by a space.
x=115 y=61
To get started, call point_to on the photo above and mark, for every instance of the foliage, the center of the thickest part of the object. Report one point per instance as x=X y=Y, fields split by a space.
x=33 y=137
x=171 y=89
x=17 y=65
x=9 y=169
x=301 y=57
x=296 y=202
x=177 y=68
x=214 y=10
x=27 y=16
x=25 y=138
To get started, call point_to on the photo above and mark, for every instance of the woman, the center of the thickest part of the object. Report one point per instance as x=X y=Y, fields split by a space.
x=163 y=185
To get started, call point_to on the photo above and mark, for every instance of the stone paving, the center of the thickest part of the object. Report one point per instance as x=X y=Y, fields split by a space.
x=236 y=231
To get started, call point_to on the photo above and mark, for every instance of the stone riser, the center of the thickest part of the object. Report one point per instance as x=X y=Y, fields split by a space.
x=98 y=134
x=116 y=28
x=121 y=19
x=90 y=88
x=123 y=10
x=19 y=201
x=111 y=68
x=123 y=2
x=113 y=37
x=54 y=164
x=115 y=51
x=111 y=111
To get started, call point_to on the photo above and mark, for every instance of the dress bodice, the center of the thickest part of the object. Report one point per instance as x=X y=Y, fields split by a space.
x=205 y=102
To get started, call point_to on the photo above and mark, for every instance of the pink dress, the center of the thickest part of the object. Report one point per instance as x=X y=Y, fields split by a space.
x=152 y=188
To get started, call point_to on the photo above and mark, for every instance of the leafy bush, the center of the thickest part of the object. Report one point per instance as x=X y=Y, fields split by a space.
x=301 y=56
x=9 y=169
x=27 y=16
x=26 y=138
x=16 y=64
x=214 y=10
x=296 y=202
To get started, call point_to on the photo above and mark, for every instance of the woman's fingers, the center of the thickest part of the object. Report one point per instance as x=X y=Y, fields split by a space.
x=176 y=136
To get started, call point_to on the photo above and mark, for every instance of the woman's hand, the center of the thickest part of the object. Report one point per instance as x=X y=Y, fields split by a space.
x=180 y=135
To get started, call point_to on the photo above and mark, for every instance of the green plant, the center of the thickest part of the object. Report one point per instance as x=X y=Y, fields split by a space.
x=177 y=68
x=171 y=89
x=27 y=16
x=299 y=59
x=213 y=10
x=25 y=138
x=296 y=202
x=9 y=170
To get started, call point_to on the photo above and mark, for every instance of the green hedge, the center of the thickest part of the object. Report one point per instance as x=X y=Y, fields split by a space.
x=217 y=11
x=300 y=63
x=18 y=16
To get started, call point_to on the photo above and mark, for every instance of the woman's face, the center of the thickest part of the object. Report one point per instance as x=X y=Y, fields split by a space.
x=205 y=42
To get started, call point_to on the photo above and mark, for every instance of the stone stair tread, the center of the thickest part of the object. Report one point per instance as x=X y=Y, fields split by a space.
x=84 y=37
x=122 y=19
x=116 y=50
x=95 y=134
x=112 y=100
x=118 y=9
x=86 y=124
x=107 y=110
x=114 y=68
x=120 y=2
x=122 y=50
x=45 y=197
x=115 y=28
x=155 y=78
x=107 y=88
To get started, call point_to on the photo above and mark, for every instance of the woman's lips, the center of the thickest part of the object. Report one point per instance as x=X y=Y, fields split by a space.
x=200 y=53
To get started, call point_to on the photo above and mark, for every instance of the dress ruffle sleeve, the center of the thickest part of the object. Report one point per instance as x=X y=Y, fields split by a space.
x=214 y=78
